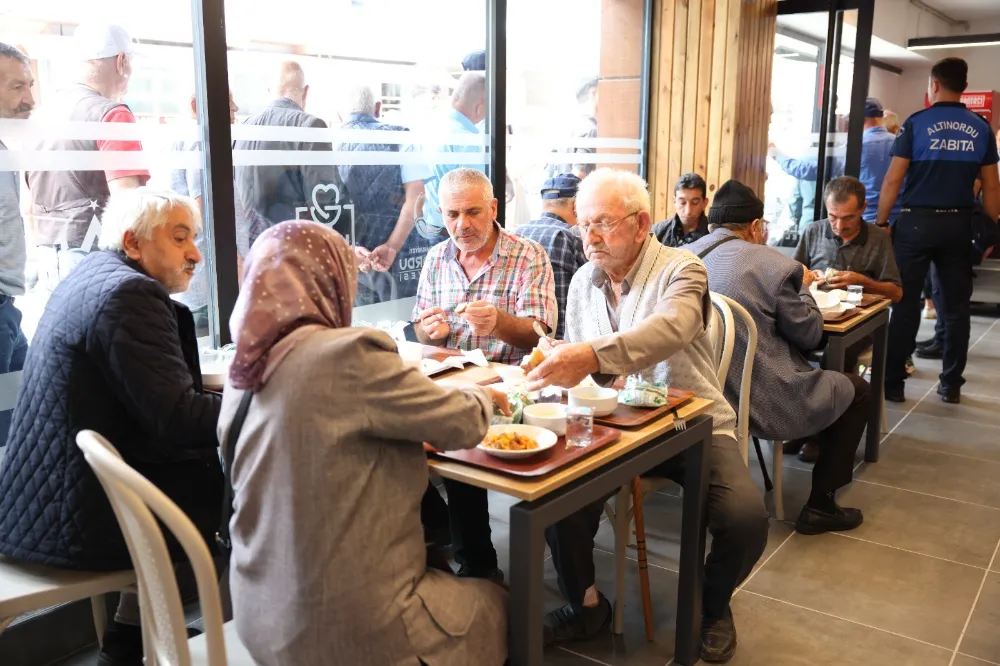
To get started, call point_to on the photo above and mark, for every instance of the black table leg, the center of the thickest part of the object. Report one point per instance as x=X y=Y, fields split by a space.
x=879 y=348
x=835 y=353
x=527 y=539
x=687 y=649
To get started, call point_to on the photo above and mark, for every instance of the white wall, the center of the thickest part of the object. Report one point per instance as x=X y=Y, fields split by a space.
x=984 y=61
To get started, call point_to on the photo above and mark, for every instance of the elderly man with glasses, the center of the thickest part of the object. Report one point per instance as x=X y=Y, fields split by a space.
x=639 y=307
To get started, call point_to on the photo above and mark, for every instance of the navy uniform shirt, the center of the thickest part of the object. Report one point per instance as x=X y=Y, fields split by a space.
x=947 y=145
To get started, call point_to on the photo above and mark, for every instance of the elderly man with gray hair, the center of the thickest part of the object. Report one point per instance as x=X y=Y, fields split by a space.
x=385 y=198
x=639 y=307
x=115 y=354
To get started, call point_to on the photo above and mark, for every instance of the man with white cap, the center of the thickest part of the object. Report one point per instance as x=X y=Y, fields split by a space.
x=68 y=205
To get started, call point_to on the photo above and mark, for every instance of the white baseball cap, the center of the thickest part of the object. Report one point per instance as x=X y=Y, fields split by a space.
x=93 y=41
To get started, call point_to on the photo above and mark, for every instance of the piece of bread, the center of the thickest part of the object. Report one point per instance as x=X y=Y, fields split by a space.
x=532 y=360
x=461 y=308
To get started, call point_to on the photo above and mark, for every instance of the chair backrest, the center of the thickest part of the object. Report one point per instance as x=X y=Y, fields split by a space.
x=723 y=334
x=135 y=501
x=743 y=410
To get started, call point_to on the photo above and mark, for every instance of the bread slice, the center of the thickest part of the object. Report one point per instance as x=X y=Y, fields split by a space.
x=461 y=308
x=532 y=360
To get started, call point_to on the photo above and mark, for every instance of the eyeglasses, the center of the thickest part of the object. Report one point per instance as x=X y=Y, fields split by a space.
x=603 y=227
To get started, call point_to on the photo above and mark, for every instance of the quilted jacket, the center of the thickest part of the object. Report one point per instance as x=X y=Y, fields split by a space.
x=115 y=354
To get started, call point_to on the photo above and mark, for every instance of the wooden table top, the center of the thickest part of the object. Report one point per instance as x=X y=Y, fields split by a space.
x=532 y=489
x=865 y=314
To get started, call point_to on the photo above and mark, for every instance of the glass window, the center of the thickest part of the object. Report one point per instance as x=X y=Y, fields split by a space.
x=574 y=96
x=109 y=105
x=356 y=132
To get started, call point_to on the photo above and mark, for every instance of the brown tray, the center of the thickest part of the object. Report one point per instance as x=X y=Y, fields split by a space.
x=472 y=373
x=633 y=417
x=867 y=300
x=544 y=463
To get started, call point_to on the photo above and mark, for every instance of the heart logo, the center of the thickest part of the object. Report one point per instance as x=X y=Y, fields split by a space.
x=315 y=194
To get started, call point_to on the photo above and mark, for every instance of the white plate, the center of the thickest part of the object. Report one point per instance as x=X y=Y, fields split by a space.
x=213 y=375
x=546 y=440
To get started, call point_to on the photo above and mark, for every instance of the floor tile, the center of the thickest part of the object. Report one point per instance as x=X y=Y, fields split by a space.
x=928 y=525
x=982 y=638
x=911 y=595
x=933 y=433
x=778 y=634
x=965 y=660
x=973 y=409
x=905 y=464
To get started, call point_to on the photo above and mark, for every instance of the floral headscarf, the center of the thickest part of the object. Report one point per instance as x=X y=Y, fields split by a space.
x=299 y=277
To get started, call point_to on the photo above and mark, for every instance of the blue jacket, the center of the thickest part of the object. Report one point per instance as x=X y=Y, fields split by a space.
x=115 y=354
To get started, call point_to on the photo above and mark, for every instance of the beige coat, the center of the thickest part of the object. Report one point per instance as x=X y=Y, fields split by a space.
x=328 y=559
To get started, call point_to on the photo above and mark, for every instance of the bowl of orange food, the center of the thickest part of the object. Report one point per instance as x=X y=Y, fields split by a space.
x=512 y=442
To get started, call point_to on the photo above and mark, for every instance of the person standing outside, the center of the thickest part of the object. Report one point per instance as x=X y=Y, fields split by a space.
x=689 y=222
x=940 y=151
x=16 y=101
x=67 y=206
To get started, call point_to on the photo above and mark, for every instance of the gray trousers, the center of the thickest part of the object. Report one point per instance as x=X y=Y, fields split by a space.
x=737 y=521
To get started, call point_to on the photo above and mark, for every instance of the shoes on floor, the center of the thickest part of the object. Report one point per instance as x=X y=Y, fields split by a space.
x=951 y=395
x=929 y=342
x=718 y=639
x=793 y=446
x=809 y=451
x=122 y=646
x=908 y=367
x=575 y=623
x=930 y=313
x=930 y=351
x=813 y=521
x=895 y=393
x=494 y=575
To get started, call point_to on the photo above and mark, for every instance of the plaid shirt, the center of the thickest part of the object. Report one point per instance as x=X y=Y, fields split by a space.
x=517 y=279
x=565 y=250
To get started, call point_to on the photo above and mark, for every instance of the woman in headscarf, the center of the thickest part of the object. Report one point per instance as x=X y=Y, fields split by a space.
x=328 y=562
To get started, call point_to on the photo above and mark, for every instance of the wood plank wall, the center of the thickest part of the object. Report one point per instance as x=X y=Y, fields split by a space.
x=711 y=93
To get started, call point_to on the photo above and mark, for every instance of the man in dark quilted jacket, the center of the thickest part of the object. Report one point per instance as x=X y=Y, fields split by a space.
x=115 y=354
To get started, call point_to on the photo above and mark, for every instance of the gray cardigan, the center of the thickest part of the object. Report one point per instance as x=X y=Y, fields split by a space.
x=789 y=398
x=328 y=561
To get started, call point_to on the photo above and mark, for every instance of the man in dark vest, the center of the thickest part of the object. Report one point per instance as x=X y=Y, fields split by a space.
x=67 y=205
x=273 y=193
x=385 y=197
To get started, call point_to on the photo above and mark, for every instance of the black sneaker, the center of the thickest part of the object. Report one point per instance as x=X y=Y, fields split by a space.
x=122 y=646
x=933 y=351
x=813 y=521
x=718 y=639
x=572 y=623
x=952 y=396
x=793 y=446
x=494 y=575
x=895 y=393
x=929 y=342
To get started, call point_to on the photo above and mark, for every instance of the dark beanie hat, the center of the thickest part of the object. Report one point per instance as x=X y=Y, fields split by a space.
x=735 y=203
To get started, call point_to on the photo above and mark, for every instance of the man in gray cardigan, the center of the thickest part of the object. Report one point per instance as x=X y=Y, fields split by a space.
x=790 y=398
x=639 y=307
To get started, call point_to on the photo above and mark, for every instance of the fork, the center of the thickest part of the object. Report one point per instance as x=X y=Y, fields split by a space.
x=680 y=424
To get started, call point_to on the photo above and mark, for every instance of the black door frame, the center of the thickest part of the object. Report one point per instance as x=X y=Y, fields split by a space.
x=859 y=83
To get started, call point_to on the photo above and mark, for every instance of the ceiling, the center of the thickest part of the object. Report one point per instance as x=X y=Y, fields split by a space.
x=967 y=10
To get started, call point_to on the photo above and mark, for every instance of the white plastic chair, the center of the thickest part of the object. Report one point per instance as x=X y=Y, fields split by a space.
x=136 y=501
x=620 y=509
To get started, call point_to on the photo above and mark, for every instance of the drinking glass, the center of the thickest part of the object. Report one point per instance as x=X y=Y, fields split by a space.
x=854 y=293
x=579 y=427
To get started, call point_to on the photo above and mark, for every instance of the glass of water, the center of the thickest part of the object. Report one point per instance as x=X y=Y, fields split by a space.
x=854 y=294
x=579 y=427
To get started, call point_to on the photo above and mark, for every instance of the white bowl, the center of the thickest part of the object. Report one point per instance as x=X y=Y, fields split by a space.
x=213 y=375
x=546 y=440
x=548 y=415
x=602 y=400
x=826 y=300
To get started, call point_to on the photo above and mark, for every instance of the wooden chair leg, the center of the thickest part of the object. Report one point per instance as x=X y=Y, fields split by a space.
x=640 y=541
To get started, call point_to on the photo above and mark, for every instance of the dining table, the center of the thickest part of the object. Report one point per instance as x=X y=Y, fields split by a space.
x=547 y=499
x=873 y=321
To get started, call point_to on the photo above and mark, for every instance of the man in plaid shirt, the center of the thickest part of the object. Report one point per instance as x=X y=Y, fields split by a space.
x=555 y=232
x=505 y=284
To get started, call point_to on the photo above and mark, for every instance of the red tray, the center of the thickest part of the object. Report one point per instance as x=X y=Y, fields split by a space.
x=544 y=463
x=633 y=417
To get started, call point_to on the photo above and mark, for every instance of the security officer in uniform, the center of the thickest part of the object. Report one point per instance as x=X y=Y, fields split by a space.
x=940 y=151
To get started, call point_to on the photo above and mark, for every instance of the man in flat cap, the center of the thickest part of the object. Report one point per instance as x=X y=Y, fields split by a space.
x=790 y=398
x=638 y=307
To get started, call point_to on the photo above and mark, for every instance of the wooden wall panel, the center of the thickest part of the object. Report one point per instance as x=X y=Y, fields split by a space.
x=712 y=80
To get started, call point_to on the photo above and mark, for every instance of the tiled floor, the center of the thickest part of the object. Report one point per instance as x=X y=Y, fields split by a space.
x=918 y=583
